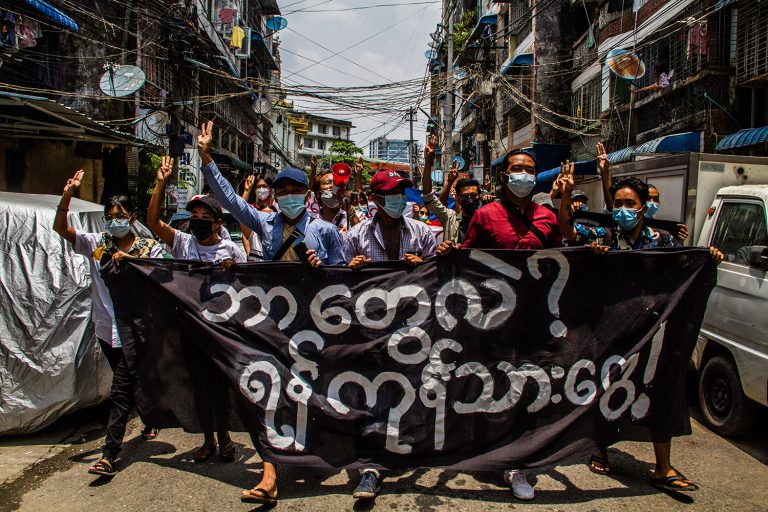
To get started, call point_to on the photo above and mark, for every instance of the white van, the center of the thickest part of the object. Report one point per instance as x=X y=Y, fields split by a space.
x=732 y=352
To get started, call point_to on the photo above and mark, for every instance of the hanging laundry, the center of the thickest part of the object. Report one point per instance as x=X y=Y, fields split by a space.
x=236 y=41
x=8 y=30
x=26 y=35
x=227 y=15
x=698 y=42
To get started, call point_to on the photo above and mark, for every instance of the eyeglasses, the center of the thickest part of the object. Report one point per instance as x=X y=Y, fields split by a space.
x=108 y=218
x=472 y=195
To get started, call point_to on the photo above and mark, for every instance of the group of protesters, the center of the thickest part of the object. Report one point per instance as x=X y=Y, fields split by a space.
x=281 y=226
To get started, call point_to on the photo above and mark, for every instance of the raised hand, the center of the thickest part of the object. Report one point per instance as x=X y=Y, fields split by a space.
x=205 y=139
x=249 y=181
x=565 y=181
x=429 y=151
x=682 y=233
x=165 y=169
x=313 y=163
x=73 y=183
x=453 y=172
x=717 y=256
x=359 y=165
x=602 y=159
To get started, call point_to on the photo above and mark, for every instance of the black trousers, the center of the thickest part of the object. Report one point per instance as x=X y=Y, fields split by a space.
x=120 y=398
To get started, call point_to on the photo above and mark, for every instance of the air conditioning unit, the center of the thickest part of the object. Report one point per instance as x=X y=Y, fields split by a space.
x=245 y=51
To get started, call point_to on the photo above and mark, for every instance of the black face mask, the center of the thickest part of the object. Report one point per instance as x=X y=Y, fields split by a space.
x=469 y=206
x=201 y=229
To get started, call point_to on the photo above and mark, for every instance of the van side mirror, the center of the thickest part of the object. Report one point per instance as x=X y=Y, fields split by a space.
x=758 y=256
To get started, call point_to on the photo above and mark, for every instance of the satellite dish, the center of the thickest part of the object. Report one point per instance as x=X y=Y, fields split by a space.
x=460 y=160
x=119 y=81
x=430 y=54
x=263 y=105
x=625 y=64
x=277 y=23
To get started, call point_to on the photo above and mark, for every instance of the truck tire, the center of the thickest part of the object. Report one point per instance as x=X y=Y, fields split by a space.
x=726 y=410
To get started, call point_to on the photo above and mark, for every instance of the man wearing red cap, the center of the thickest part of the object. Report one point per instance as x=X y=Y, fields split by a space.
x=389 y=236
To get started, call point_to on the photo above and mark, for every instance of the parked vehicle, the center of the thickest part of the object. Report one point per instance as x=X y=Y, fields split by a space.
x=731 y=355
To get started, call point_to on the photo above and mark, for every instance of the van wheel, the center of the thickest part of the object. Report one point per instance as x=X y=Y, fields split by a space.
x=726 y=410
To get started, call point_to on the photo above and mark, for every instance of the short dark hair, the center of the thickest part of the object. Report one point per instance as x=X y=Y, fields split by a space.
x=121 y=202
x=318 y=180
x=640 y=187
x=464 y=183
x=650 y=186
x=521 y=151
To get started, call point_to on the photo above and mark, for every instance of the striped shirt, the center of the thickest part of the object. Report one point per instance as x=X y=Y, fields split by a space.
x=366 y=239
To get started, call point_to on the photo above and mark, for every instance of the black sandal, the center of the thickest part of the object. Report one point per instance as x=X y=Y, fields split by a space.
x=666 y=484
x=104 y=467
x=227 y=451
x=597 y=460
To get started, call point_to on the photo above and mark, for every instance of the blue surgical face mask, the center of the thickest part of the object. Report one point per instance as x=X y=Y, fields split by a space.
x=625 y=218
x=394 y=205
x=651 y=209
x=292 y=205
x=521 y=183
x=118 y=228
x=584 y=207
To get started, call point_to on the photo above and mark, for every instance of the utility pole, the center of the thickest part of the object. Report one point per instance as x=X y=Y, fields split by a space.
x=411 y=151
x=448 y=144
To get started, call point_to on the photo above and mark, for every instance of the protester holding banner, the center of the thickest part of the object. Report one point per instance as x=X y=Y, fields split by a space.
x=628 y=197
x=118 y=243
x=283 y=234
x=513 y=222
x=389 y=236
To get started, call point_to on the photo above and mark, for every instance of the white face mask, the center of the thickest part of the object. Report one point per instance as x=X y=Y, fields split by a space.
x=262 y=193
x=328 y=199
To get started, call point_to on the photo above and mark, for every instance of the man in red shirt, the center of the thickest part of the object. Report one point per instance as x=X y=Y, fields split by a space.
x=514 y=221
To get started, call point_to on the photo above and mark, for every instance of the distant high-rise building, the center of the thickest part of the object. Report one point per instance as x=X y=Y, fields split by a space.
x=394 y=150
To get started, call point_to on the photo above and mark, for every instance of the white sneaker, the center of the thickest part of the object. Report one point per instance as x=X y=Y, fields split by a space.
x=520 y=486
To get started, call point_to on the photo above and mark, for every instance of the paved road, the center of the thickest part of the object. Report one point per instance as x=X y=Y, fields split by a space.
x=40 y=474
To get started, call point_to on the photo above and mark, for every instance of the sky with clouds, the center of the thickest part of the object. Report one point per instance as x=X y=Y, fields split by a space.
x=396 y=54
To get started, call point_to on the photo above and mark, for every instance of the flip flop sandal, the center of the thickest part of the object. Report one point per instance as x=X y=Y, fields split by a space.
x=258 y=495
x=596 y=460
x=103 y=468
x=227 y=452
x=667 y=484
x=204 y=453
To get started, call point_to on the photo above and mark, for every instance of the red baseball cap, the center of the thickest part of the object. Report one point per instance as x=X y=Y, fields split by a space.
x=387 y=180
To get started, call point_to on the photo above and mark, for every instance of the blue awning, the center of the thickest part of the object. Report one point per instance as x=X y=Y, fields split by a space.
x=485 y=21
x=622 y=155
x=581 y=168
x=51 y=13
x=677 y=143
x=748 y=137
x=263 y=53
x=524 y=59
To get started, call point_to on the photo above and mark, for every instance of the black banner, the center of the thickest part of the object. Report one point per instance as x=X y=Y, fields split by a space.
x=482 y=360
